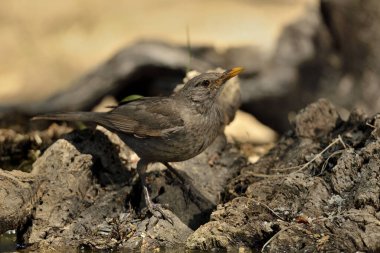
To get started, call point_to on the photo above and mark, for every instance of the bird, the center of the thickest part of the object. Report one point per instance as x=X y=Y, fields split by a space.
x=164 y=129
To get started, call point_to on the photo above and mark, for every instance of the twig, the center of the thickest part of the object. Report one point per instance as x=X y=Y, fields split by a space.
x=270 y=209
x=327 y=160
x=275 y=236
x=341 y=141
x=305 y=165
x=188 y=42
x=317 y=156
x=265 y=175
x=287 y=168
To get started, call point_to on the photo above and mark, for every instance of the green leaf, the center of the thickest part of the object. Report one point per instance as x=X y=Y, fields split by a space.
x=130 y=98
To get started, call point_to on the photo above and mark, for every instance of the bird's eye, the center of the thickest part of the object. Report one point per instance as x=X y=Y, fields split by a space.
x=205 y=83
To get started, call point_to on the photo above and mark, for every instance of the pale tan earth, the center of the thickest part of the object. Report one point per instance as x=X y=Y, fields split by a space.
x=240 y=130
x=46 y=44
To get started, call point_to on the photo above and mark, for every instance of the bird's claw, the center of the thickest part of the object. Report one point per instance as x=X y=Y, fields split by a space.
x=156 y=209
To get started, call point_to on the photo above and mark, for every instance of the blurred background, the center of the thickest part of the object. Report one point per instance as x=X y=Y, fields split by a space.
x=45 y=45
x=61 y=56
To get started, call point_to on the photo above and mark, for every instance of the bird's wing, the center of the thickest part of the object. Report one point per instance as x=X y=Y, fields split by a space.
x=145 y=117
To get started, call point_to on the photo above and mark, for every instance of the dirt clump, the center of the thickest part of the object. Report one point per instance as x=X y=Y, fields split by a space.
x=318 y=189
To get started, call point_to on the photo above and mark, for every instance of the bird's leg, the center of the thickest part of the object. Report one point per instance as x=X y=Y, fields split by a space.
x=155 y=209
x=184 y=180
x=175 y=172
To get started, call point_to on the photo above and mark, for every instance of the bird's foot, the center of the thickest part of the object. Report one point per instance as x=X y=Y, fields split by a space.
x=156 y=209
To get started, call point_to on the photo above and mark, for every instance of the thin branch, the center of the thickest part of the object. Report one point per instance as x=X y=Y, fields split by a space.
x=287 y=168
x=275 y=236
x=305 y=165
x=327 y=160
x=317 y=156
x=341 y=141
x=270 y=209
x=262 y=175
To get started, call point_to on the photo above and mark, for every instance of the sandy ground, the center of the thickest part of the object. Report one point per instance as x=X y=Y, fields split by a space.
x=46 y=44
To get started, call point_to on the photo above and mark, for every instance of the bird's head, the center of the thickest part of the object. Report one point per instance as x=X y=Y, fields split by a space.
x=204 y=88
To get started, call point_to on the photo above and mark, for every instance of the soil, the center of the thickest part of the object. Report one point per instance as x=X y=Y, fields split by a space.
x=317 y=190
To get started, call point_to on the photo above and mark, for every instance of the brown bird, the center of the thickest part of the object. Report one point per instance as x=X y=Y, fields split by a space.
x=164 y=129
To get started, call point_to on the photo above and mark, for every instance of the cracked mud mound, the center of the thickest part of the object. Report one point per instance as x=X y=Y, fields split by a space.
x=83 y=191
x=317 y=190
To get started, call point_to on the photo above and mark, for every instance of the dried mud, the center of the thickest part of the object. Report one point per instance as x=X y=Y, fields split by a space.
x=317 y=190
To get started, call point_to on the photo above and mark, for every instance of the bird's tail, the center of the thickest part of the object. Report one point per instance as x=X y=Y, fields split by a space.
x=68 y=116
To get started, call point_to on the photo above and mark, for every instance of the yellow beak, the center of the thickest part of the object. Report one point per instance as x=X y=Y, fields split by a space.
x=231 y=73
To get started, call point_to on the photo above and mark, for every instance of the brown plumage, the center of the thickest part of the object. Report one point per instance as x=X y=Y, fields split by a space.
x=164 y=129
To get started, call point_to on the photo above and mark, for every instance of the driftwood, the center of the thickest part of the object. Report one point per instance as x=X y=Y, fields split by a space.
x=148 y=68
